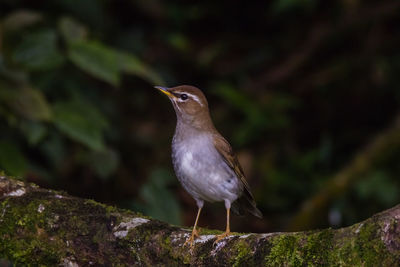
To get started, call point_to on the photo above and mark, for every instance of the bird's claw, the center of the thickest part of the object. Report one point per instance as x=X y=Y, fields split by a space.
x=192 y=238
x=222 y=236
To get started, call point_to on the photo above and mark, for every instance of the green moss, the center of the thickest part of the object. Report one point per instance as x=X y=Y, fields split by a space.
x=369 y=247
x=366 y=247
x=243 y=254
x=317 y=247
x=100 y=234
x=107 y=208
x=167 y=242
x=29 y=235
x=285 y=251
x=206 y=231
x=310 y=249
x=32 y=246
x=24 y=234
x=363 y=248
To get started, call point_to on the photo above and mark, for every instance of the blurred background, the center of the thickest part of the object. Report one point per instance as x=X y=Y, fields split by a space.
x=306 y=91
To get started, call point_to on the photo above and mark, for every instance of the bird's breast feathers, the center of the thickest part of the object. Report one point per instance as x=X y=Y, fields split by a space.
x=202 y=171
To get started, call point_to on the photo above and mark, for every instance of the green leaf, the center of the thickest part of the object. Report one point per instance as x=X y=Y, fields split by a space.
x=179 y=41
x=32 y=104
x=107 y=64
x=20 y=19
x=71 y=30
x=130 y=64
x=38 y=51
x=11 y=159
x=96 y=59
x=27 y=102
x=80 y=121
x=33 y=131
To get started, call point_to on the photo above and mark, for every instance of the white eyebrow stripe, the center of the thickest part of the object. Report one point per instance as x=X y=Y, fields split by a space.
x=195 y=98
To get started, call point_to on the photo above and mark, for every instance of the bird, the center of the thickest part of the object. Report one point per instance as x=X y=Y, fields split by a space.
x=204 y=161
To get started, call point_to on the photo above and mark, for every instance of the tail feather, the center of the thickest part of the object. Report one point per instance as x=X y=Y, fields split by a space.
x=243 y=206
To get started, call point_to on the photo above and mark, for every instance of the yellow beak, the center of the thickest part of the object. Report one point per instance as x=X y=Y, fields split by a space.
x=165 y=91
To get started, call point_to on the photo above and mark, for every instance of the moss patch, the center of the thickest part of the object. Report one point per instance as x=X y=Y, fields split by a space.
x=33 y=245
x=284 y=250
x=365 y=248
x=42 y=228
x=243 y=254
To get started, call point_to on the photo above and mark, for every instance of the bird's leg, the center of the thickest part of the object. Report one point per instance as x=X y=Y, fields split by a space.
x=195 y=233
x=228 y=230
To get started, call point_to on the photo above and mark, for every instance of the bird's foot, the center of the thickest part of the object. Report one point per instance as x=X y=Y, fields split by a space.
x=193 y=236
x=222 y=236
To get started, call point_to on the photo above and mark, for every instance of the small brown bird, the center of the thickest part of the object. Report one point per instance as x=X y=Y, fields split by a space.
x=203 y=160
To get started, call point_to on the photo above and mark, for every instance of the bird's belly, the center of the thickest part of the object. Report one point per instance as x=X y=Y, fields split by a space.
x=205 y=176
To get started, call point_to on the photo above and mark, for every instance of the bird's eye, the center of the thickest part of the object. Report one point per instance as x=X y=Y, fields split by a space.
x=184 y=96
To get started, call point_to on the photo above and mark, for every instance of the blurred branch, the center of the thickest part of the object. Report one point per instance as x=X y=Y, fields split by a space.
x=47 y=228
x=319 y=35
x=313 y=210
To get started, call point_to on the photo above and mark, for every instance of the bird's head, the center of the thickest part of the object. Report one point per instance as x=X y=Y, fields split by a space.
x=189 y=103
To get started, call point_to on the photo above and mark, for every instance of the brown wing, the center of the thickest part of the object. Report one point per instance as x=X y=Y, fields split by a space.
x=231 y=160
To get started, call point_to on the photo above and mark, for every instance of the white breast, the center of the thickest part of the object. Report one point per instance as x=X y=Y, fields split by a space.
x=202 y=172
x=188 y=166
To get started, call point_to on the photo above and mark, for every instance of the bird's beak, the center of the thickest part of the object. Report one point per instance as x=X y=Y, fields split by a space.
x=165 y=91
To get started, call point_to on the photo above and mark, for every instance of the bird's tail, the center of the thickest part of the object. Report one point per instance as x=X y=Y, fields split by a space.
x=244 y=205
